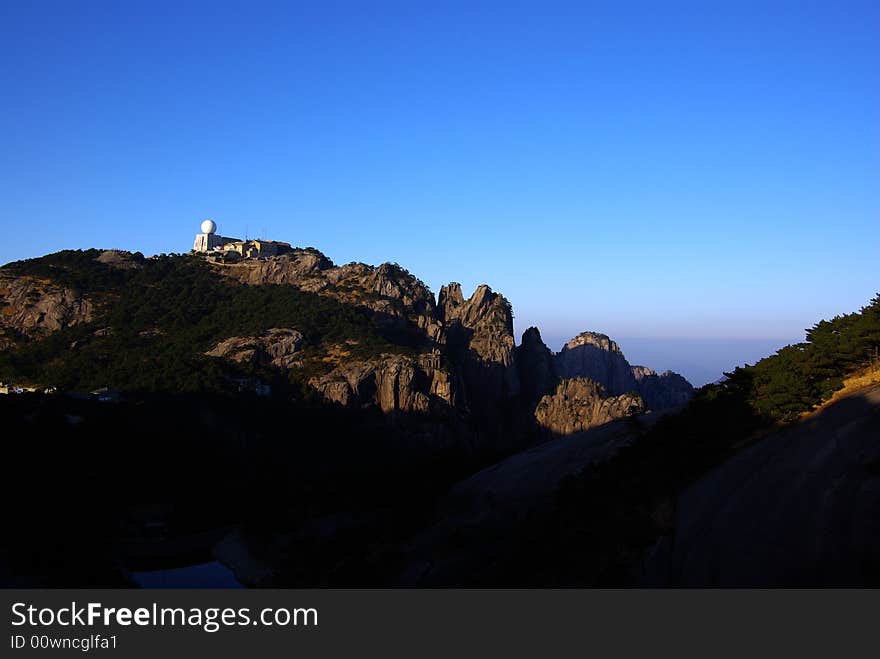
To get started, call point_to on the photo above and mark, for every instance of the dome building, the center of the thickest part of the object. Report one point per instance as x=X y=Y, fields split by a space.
x=208 y=240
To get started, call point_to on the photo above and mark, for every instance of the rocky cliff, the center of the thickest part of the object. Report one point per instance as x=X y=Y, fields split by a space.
x=477 y=334
x=579 y=404
x=595 y=356
x=393 y=383
x=482 y=324
x=389 y=291
x=664 y=390
x=36 y=307
x=276 y=347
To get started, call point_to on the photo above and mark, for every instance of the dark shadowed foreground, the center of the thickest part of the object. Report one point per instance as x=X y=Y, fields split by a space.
x=800 y=508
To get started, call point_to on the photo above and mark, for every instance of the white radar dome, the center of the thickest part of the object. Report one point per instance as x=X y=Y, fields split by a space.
x=209 y=226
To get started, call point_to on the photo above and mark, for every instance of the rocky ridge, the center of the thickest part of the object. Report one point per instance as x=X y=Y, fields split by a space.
x=476 y=333
x=460 y=352
x=387 y=290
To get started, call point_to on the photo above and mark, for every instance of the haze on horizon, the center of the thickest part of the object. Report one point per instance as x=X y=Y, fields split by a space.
x=666 y=173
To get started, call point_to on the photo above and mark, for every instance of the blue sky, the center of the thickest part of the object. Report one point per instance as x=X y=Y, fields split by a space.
x=662 y=170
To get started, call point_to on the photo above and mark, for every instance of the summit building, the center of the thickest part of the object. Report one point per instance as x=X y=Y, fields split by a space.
x=210 y=242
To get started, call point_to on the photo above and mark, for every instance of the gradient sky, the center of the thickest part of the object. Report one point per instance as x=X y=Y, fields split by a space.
x=656 y=170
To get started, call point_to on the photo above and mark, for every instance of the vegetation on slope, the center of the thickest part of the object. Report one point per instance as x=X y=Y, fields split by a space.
x=156 y=321
x=78 y=269
x=802 y=376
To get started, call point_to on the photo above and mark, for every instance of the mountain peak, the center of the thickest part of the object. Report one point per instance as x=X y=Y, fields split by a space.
x=595 y=339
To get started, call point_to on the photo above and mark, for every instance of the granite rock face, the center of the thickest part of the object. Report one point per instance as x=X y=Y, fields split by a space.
x=393 y=295
x=277 y=347
x=119 y=259
x=303 y=268
x=36 y=307
x=477 y=334
x=579 y=404
x=390 y=382
x=483 y=324
x=662 y=391
x=595 y=356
